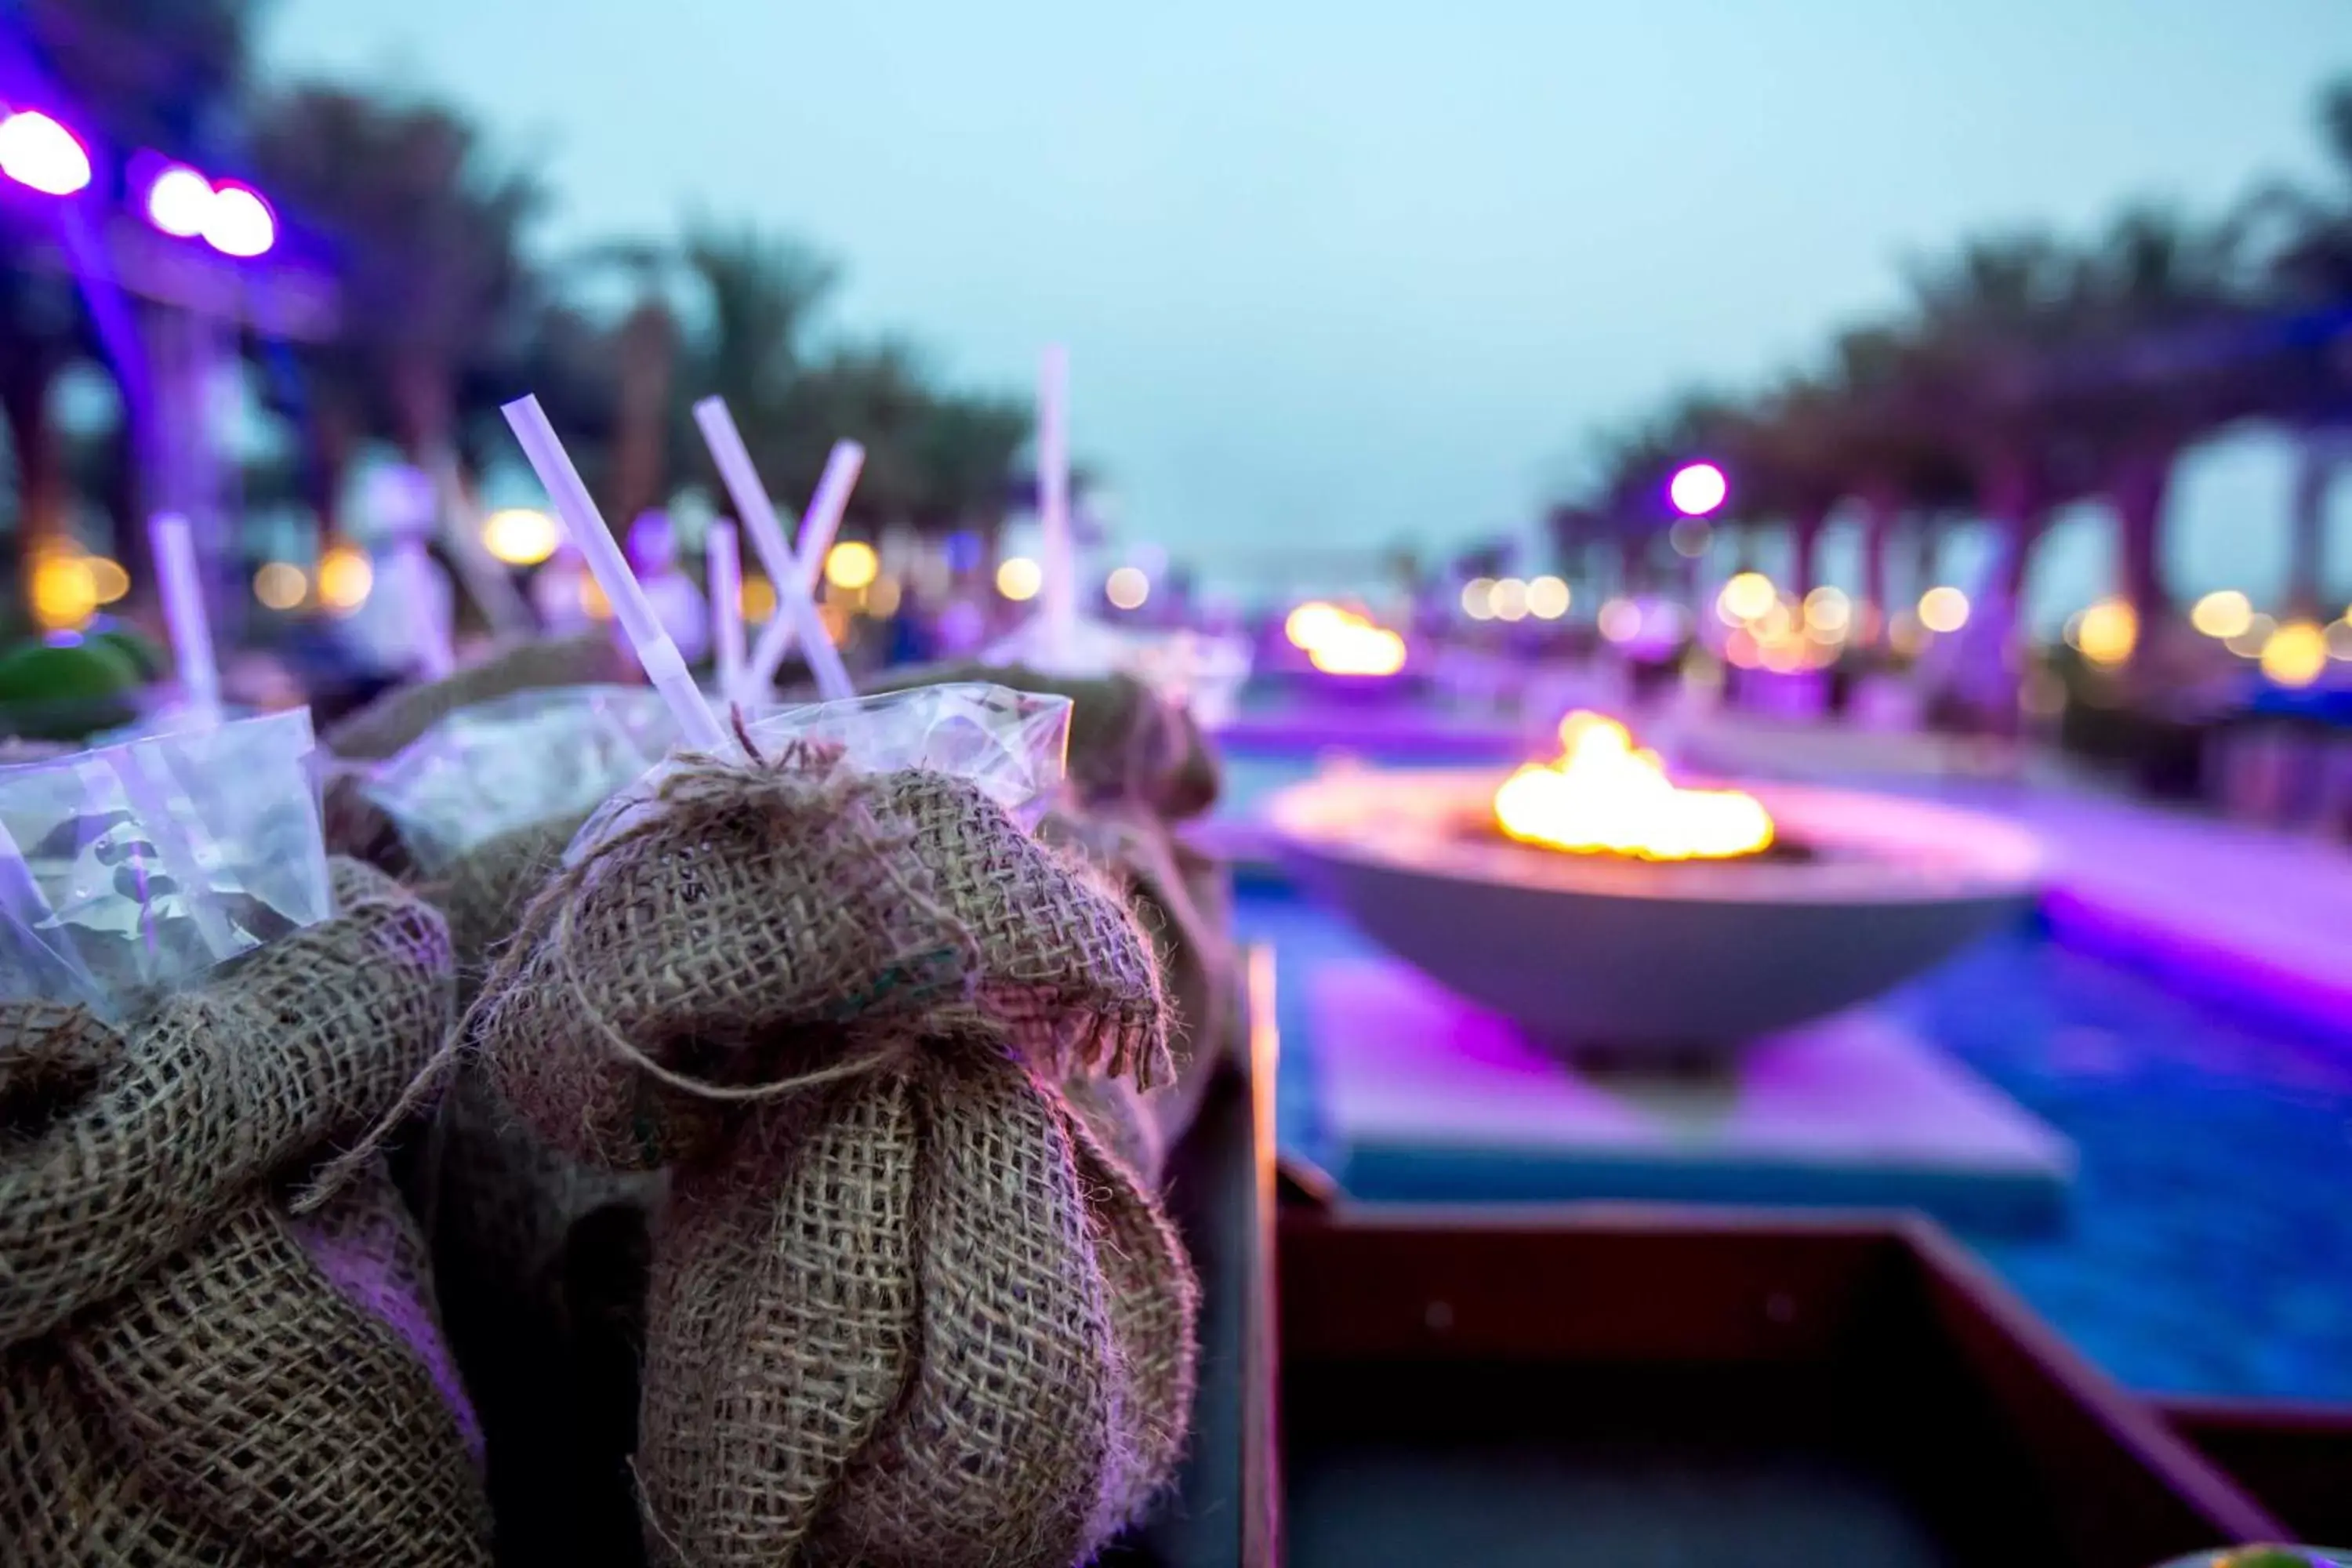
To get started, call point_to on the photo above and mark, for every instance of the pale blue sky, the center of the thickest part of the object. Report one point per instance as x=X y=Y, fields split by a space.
x=1342 y=273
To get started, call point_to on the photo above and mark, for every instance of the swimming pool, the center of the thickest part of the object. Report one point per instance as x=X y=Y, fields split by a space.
x=2208 y=1246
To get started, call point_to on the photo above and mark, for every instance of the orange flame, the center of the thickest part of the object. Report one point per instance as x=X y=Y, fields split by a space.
x=1343 y=642
x=1604 y=796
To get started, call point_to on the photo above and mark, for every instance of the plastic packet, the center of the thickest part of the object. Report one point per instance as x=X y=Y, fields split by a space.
x=1201 y=672
x=515 y=759
x=128 y=872
x=1013 y=744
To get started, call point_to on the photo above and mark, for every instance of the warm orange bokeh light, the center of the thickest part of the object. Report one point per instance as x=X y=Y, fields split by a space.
x=345 y=578
x=1343 y=642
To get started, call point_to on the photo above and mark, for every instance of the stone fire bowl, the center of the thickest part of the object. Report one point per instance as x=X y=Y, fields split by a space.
x=1596 y=951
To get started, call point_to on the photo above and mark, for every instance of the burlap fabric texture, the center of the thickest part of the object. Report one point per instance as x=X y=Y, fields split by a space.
x=904 y=1309
x=539 y=1258
x=188 y=1372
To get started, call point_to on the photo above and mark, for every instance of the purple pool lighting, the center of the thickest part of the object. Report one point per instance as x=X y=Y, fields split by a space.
x=1698 y=488
x=179 y=201
x=41 y=154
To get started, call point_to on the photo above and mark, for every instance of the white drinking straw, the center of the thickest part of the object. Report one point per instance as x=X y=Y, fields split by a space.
x=726 y=565
x=1060 y=598
x=183 y=614
x=656 y=652
x=793 y=577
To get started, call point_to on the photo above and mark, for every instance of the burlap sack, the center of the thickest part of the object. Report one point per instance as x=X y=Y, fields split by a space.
x=538 y=1257
x=1126 y=743
x=902 y=1308
x=1183 y=899
x=192 y=1375
x=398 y=717
x=1137 y=764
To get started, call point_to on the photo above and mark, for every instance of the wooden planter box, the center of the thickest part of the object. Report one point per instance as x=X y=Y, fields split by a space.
x=1623 y=1386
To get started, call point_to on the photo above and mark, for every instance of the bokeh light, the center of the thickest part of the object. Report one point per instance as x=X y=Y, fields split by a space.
x=1311 y=622
x=64 y=592
x=2296 y=654
x=280 y=584
x=1478 y=598
x=179 y=200
x=1509 y=600
x=108 y=580
x=2339 y=639
x=41 y=154
x=1690 y=536
x=2252 y=637
x=1943 y=609
x=1127 y=588
x=1828 y=613
x=1745 y=597
x=1547 y=598
x=1019 y=578
x=758 y=599
x=1620 y=620
x=2225 y=613
x=2107 y=631
x=852 y=565
x=1698 y=488
x=345 y=578
x=1359 y=649
x=238 y=222
x=521 y=535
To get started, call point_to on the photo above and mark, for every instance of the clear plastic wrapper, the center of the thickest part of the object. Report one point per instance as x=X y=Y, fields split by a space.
x=1198 y=672
x=516 y=760
x=128 y=872
x=1013 y=744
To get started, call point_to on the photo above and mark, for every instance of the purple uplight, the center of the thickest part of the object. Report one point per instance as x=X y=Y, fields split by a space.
x=1698 y=488
x=179 y=201
x=41 y=154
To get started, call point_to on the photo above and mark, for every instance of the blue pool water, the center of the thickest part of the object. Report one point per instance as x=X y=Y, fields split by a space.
x=2207 y=1249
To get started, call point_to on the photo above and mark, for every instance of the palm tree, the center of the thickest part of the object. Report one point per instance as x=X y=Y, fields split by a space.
x=2151 y=369
x=761 y=296
x=2309 y=270
x=962 y=451
x=1789 y=468
x=1980 y=328
x=1899 y=462
x=429 y=234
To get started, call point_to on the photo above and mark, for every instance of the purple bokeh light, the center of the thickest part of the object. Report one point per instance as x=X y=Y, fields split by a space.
x=1698 y=488
x=179 y=200
x=240 y=222
x=43 y=155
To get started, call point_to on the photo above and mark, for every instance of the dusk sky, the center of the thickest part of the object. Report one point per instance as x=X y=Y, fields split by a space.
x=1351 y=273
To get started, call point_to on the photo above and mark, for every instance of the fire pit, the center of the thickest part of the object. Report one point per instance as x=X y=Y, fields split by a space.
x=1599 y=904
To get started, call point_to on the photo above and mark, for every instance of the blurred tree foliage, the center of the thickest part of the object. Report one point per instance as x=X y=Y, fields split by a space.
x=2027 y=370
x=451 y=303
